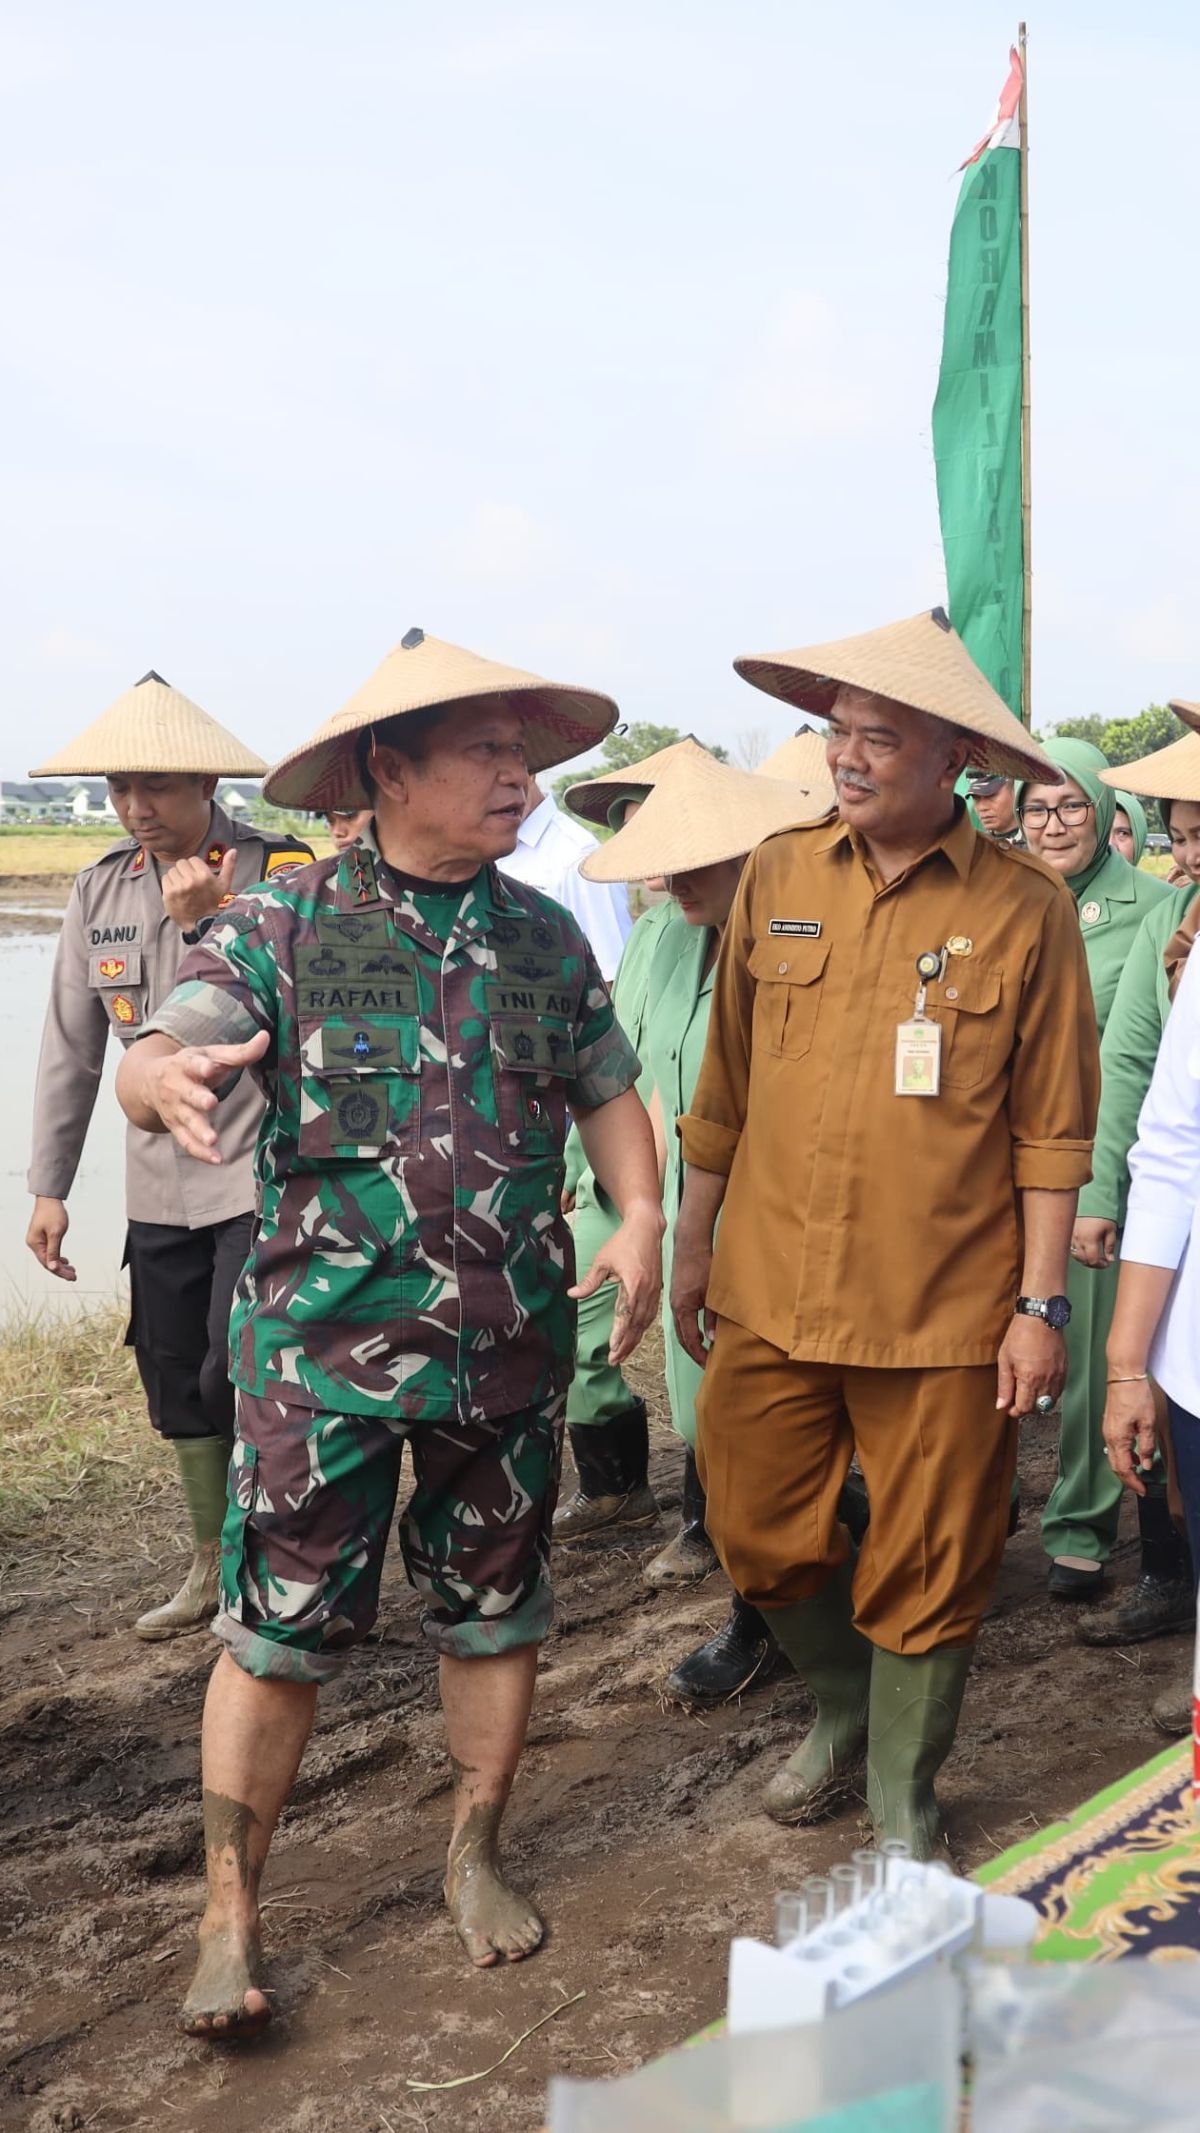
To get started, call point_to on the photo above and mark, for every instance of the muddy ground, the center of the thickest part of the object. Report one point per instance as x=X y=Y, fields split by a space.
x=637 y=1826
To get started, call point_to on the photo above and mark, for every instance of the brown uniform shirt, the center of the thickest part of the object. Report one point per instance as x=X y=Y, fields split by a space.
x=118 y=955
x=862 y=1227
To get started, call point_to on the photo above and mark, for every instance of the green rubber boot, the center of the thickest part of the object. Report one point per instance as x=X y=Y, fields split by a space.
x=915 y=1702
x=834 y=1661
x=203 y=1468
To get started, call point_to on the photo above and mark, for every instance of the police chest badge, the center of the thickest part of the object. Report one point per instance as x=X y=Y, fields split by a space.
x=125 y=1011
x=112 y=967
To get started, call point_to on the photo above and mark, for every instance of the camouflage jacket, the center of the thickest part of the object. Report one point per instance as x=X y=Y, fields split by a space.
x=411 y=1258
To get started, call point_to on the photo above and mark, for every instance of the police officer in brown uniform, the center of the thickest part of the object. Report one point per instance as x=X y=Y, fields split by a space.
x=123 y=936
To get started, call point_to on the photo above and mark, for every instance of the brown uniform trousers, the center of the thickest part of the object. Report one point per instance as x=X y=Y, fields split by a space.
x=775 y=1442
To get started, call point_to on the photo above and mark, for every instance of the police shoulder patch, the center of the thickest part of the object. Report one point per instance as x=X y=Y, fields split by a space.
x=279 y=861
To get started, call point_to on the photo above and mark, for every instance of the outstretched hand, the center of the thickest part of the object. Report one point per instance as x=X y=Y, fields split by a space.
x=181 y=1087
x=632 y=1258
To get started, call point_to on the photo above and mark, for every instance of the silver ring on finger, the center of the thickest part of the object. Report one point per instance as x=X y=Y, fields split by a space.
x=1044 y=1403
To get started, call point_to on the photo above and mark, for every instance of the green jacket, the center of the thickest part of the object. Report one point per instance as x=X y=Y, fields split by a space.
x=631 y=999
x=1127 y=1055
x=410 y=1259
x=673 y=1042
x=1111 y=909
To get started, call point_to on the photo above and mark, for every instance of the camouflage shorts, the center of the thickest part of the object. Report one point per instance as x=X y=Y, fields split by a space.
x=312 y=1496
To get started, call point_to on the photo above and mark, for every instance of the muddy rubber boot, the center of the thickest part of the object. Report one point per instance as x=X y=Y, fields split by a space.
x=691 y=1555
x=611 y=1461
x=831 y=1657
x=742 y=1649
x=1172 y=1707
x=915 y=1702
x=203 y=1468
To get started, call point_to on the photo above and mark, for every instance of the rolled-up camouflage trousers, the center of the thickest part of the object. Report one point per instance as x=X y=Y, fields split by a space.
x=311 y=1499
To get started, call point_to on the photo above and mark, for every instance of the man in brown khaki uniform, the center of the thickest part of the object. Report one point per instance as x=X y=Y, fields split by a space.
x=896 y=1155
x=123 y=937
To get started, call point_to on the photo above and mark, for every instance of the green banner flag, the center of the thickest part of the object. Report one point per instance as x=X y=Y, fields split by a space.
x=977 y=412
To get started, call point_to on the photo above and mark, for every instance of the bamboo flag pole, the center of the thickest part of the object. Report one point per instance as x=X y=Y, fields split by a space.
x=1026 y=475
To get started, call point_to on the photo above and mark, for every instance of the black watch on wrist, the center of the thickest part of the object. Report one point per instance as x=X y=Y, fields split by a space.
x=1056 y=1310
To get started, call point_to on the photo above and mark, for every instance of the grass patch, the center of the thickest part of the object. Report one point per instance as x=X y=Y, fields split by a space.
x=75 y=1435
x=57 y=852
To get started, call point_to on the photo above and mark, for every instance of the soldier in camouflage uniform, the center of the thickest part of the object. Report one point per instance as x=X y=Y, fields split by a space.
x=419 y=1026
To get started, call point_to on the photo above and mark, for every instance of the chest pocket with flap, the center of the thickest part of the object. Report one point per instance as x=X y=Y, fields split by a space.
x=360 y=1087
x=787 y=977
x=967 y=1004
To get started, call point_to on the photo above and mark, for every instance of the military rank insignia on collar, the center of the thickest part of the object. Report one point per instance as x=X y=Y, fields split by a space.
x=215 y=854
x=139 y=864
x=805 y=929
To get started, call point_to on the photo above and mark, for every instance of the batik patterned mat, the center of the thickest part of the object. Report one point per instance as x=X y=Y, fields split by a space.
x=1121 y=1876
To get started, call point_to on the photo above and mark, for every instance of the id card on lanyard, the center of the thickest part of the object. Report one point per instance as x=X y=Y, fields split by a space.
x=919 y=1041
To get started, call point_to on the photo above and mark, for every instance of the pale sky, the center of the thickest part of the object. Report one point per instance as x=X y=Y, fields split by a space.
x=599 y=336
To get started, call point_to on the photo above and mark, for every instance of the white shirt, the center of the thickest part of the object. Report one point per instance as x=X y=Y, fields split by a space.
x=549 y=848
x=1162 y=1227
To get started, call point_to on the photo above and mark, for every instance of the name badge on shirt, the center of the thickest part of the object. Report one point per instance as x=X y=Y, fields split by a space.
x=918 y=1057
x=807 y=929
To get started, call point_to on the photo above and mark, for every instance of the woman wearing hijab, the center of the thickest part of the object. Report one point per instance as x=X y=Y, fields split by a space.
x=1130 y=828
x=1163 y=1597
x=1068 y=827
x=695 y=830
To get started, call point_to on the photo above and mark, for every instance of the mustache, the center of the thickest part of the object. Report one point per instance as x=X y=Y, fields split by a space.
x=857 y=783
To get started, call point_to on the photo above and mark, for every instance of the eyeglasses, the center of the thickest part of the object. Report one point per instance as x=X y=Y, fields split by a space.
x=1070 y=813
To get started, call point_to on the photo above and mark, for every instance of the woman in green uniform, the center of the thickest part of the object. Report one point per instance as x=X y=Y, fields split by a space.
x=606 y=1420
x=1163 y=1597
x=1068 y=827
x=695 y=830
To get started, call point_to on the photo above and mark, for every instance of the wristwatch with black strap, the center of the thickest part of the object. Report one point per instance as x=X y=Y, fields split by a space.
x=1055 y=1310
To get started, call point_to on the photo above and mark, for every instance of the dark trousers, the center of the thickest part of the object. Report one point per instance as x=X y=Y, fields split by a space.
x=181 y=1284
x=1185 y=1443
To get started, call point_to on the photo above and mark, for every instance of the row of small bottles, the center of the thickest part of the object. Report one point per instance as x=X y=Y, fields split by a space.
x=870 y=1900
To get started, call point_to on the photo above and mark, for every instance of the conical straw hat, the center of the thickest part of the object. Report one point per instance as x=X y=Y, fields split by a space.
x=802 y=758
x=422 y=671
x=593 y=797
x=1189 y=713
x=701 y=811
x=921 y=662
x=153 y=729
x=1171 y=773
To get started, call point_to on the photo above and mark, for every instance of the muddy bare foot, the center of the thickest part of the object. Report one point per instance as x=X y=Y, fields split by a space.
x=224 y=2001
x=494 y=1923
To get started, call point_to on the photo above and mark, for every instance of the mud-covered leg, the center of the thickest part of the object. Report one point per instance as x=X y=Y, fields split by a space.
x=487 y=1703
x=254 y=1736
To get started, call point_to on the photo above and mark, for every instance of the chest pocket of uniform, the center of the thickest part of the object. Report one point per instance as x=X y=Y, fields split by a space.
x=967 y=1004
x=787 y=994
x=531 y=1060
x=117 y=975
x=360 y=1087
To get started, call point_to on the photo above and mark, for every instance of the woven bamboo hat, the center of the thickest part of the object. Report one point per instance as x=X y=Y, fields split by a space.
x=802 y=759
x=593 y=797
x=1171 y=773
x=699 y=812
x=560 y=721
x=153 y=729
x=921 y=662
